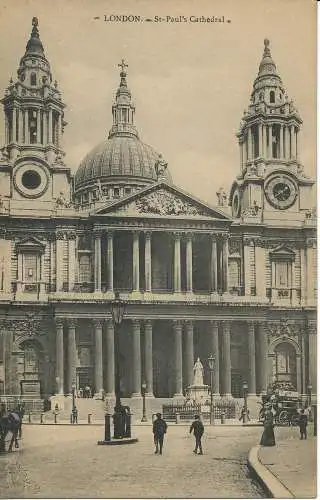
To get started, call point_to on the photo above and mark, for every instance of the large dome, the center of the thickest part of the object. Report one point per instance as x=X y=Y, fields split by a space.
x=122 y=164
x=117 y=156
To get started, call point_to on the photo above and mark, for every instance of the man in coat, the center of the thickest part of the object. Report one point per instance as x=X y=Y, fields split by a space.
x=159 y=429
x=198 y=430
x=303 y=423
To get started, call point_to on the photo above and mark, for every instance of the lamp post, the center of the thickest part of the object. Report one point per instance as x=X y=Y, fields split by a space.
x=245 y=402
x=74 y=408
x=117 y=311
x=309 y=389
x=143 y=391
x=211 y=360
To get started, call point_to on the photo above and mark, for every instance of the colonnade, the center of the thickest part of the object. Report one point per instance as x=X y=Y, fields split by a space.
x=48 y=127
x=105 y=369
x=218 y=261
x=288 y=142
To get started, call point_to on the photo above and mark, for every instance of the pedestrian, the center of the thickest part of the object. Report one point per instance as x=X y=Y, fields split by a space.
x=303 y=423
x=267 y=438
x=198 y=430
x=159 y=430
x=245 y=413
x=75 y=415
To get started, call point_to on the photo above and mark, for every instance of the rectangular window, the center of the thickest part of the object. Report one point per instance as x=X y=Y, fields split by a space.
x=30 y=267
x=282 y=275
x=84 y=269
x=234 y=273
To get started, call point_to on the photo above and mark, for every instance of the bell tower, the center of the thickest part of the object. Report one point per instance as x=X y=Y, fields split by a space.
x=32 y=156
x=271 y=175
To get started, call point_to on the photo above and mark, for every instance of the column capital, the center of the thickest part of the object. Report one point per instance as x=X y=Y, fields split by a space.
x=148 y=323
x=71 y=235
x=214 y=322
x=148 y=234
x=71 y=322
x=136 y=232
x=59 y=322
x=189 y=235
x=189 y=323
x=177 y=324
x=109 y=323
x=251 y=326
x=97 y=233
x=177 y=235
x=136 y=323
x=214 y=236
x=109 y=234
x=97 y=322
x=60 y=235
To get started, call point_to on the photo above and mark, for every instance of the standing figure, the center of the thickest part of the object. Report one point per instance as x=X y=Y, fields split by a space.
x=198 y=430
x=303 y=423
x=267 y=438
x=198 y=373
x=159 y=429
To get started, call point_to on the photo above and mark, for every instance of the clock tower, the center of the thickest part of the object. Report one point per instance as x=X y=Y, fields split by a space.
x=31 y=162
x=272 y=186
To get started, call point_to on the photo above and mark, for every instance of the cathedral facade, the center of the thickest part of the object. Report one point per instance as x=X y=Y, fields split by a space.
x=237 y=280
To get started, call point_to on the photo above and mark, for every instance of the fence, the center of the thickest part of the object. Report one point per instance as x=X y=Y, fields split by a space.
x=187 y=412
x=30 y=405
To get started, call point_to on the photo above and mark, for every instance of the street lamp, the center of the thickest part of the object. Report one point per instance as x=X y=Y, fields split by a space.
x=245 y=402
x=117 y=311
x=143 y=391
x=309 y=389
x=74 y=408
x=211 y=360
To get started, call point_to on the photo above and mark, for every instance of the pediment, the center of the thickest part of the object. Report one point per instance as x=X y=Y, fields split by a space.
x=162 y=200
x=282 y=252
x=30 y=244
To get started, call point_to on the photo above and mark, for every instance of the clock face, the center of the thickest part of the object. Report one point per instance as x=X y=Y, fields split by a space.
x=281 y=192
x=31 y=180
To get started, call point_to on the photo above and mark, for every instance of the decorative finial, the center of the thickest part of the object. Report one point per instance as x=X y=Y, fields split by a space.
x=266 y=42
x=123 y=65
x=222 y=197
x=35 y=21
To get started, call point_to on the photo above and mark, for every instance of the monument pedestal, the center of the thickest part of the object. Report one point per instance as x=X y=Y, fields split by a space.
x=199 y=394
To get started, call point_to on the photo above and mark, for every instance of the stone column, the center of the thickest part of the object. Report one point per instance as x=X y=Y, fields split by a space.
x=312 y=336
x=249 y=144
x=260 y=141
x=298 y=144
x=225 y=262
x=50 y=126
x=214 y=264
x=189 y=353
x=214 y=325
x=260 y=258
x=177 y=327
x=71 y=260
x=263 y=357
x=241 y=154
x=59 y=260
x=293 y=140
x=177 y=262
x=281 y=142
x=110 y=261
x=247 y=266
x=72 y=354
x=14 y=124
x=287 y=142
x=189 y=264
x=251 y=359
x=136 y=355
x=45 y=128
x=97 y=262
x=148 y=363
x=20 y=132
x=303 y=274
x=38 y=127
x=148 y=262
x=270 y=141
x=135 y=262
x=98 y=370
x=226 y=359
x=59 y=357
x=293 y=281
x=110 y=361
x=264 y=142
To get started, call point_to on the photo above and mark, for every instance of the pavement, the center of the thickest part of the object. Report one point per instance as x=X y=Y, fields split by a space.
x=289 y=469
x=65 y=462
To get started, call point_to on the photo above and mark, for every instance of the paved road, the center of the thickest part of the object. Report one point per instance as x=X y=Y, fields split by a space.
x=66 y=462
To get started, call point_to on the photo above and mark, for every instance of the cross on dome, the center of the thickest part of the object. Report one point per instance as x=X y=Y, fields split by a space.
x=123 y=65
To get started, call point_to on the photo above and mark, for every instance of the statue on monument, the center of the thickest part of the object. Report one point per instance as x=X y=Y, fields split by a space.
x=198 y=373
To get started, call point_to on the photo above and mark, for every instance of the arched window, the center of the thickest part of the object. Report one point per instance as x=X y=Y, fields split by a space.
x=285 y=364
x=272 y=97
x=84 y=268
x=33 y=79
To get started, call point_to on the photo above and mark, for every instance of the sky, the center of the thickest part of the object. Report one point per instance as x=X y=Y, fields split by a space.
x=190 y=82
